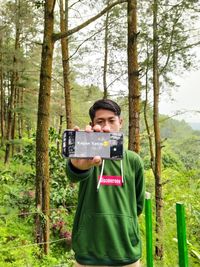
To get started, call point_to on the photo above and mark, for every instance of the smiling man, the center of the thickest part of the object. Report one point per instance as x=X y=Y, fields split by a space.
x=111 y=197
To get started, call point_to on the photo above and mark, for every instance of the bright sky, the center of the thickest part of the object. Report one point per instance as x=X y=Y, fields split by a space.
x=186 y=98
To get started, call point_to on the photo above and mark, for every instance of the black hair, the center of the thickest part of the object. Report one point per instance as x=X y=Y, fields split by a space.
x=104 y=104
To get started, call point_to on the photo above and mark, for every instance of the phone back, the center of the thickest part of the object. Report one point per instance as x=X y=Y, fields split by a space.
x=81 y=144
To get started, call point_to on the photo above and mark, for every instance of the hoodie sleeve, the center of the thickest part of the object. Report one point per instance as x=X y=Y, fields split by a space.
x=76 y=175
x=140 y=186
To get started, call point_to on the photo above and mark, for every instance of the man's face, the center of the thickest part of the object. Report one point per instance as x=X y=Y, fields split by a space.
x=107 y=120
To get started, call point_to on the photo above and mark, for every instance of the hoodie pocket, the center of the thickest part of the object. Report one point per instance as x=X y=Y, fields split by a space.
x=106 y=235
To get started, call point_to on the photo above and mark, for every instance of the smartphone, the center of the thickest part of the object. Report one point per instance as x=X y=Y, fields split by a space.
x=81 y=144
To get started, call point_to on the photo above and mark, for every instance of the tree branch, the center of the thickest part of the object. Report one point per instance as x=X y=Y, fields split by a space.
x=171 y=42
x=185 y=47
x=58 y=36
x=84 y=41
x=74 y=3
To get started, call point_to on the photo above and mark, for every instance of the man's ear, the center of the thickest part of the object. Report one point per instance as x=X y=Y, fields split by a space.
x=91 y=124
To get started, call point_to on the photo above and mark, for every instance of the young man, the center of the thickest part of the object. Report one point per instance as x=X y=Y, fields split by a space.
x=106 y=231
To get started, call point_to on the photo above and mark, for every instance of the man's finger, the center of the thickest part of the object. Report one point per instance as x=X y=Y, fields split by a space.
x=97 y=128
x=106 y=129
x=97 y=160
x=76 y=128
x=88 y=128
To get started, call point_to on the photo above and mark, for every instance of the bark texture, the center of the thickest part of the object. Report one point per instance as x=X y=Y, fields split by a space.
x=42 y=136
x=158 y=159
x=65 y=63
x=133 y=78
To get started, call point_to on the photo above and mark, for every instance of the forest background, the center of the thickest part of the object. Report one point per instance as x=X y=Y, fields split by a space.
x=92 y=59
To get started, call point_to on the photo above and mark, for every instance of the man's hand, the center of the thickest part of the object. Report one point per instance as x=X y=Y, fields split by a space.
x=86 y=164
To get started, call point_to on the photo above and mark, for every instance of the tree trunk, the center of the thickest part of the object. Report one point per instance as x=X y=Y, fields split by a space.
x=42 y=136
x=14 y=117
x=2 y=95
x=7 y=88
x=59 y=133
x=20 y=116
x=105 y=67
x=9 y=119
x=65 y=63
x=133 y=78
x=157 y=171
x=151 y=147
x=14 y=80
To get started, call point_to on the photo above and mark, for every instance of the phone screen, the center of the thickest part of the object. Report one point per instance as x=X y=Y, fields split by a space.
x=81 y=144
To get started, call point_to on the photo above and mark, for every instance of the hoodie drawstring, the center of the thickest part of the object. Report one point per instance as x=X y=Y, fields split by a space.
x=101 y=173
x=122 y=172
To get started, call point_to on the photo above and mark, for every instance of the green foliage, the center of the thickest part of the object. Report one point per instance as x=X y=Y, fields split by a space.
x=80 y=106
x=180 y=179
x=17 y=210
x=188 y=151
x=62 y=192
x=171 y=160
x=171 y=128
x=15 y=190
x=178 y=186
x=17 y=246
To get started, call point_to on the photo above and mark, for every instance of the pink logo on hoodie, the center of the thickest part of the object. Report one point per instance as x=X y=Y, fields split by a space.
x=111 y=180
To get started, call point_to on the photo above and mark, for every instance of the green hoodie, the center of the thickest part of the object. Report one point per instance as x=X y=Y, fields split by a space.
x=106 y=230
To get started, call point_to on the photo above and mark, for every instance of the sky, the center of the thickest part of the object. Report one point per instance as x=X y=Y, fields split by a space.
x=186 y=98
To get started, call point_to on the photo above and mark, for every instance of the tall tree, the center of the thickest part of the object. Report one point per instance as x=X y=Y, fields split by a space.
x=158 y=159
x=42 y=135
x=2 y=92
x=105 y=65
x=14 y=80
x=65 y=62
x=133 y=78
x=146 y=106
